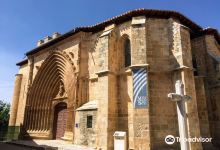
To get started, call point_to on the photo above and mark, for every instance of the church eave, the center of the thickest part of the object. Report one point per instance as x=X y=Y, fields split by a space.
x=23 y=62
x=149 y=13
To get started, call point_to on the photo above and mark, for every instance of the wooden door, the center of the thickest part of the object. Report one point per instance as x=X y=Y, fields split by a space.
x=60 y=119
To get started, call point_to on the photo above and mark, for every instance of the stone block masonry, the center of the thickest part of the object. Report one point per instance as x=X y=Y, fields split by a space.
x=96 y=64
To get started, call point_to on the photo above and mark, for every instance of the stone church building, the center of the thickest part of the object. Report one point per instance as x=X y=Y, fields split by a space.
x=86 y=84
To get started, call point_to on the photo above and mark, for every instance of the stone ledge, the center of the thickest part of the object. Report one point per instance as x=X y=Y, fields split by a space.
x=107 y=30
x=171 y=70
x=91 y=105
x=200 y=76
x=93 y=77
x=37 y=135
x=104 y=72
x=138 y=20
x=139 y=66
x=182 y=68
x=68 y=136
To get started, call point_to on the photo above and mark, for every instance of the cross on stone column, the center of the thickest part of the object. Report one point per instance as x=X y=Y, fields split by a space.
x=180 y=100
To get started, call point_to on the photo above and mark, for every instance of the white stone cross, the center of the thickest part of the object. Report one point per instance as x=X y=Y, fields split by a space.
x=180 y=100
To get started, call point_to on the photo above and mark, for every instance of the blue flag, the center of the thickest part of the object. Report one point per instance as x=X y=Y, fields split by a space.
x=140 y=95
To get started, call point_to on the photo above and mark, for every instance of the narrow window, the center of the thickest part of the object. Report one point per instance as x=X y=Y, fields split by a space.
x=127 y=52
x=195 y=66
x=89 y=121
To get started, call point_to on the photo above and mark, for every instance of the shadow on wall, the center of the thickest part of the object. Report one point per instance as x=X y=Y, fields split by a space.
x=14 y=135
x=8 y=133
x=4 y=133
x=123 y=102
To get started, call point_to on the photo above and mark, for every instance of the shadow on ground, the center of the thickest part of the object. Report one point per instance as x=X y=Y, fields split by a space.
x=12 y=145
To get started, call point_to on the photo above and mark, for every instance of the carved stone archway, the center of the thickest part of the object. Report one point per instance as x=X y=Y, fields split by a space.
x=54 y=82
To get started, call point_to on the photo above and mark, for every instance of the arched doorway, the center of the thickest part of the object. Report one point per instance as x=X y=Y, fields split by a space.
x=60 y=119
x=55 y=81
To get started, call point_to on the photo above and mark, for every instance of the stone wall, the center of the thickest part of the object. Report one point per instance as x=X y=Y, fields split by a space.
x=207 y=75
x=213 y=87
x=202 y=110
x=165 y=48
x=84 y=135
x=163 y=118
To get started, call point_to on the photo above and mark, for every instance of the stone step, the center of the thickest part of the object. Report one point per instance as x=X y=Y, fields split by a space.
x=48 y=145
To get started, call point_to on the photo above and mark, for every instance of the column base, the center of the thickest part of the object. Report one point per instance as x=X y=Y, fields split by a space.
x=68 y=136
x=44 y=135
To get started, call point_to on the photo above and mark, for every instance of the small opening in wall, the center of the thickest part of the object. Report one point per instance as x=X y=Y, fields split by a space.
x=89 y=121
x=195 y=65
x=127 y=52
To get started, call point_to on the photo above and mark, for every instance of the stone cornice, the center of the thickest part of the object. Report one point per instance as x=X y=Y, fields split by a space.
x=181 y=68
x=105 y=72
x=102 y=72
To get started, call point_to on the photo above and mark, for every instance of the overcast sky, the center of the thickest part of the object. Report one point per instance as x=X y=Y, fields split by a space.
x=24 y=22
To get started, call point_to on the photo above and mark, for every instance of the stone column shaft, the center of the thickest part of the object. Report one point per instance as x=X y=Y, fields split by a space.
x=15 y=102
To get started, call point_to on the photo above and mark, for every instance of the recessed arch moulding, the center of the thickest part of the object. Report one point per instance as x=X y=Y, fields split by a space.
x=55 y=82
